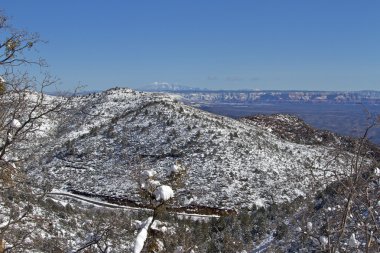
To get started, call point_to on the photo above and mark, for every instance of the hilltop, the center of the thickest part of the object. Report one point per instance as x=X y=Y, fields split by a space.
x=111 y=136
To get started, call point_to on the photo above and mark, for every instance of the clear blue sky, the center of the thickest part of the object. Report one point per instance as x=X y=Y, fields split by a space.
x=267 y=44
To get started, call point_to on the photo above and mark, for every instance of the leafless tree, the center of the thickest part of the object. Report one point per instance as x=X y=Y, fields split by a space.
x=23 y=107
x=345 y=216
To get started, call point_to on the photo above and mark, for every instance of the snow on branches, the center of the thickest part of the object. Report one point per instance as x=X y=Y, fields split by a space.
x=142 y=235
x=163 y=193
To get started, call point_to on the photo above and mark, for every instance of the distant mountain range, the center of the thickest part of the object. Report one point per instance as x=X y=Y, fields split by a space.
x=248 y=96
x=168 y=87
x=201 y=95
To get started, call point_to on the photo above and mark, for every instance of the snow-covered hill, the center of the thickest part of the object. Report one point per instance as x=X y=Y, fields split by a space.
x=294 y=129
x=110 y=137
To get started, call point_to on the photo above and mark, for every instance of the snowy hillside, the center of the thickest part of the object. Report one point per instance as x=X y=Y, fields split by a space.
x=294 y=129
x=113 y=135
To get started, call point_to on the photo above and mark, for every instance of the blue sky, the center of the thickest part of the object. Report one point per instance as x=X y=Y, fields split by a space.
x=236 y=44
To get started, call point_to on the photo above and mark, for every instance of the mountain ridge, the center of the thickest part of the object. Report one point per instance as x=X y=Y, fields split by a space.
x=230 y=164
x=273 y=96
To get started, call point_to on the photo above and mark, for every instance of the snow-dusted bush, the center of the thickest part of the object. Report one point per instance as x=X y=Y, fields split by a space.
x=163 y=193
x=153 y=189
